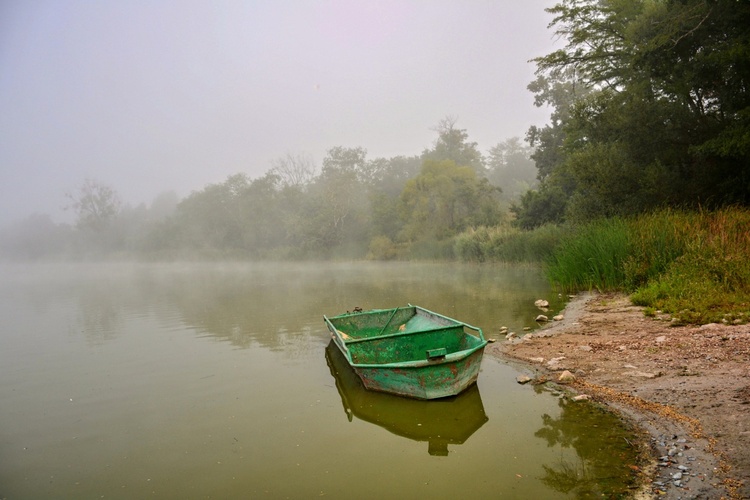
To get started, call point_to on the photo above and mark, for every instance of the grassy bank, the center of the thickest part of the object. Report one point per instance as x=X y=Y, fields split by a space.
x=694 y=266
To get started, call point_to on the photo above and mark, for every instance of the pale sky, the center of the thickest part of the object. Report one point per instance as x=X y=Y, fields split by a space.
x=155 y=95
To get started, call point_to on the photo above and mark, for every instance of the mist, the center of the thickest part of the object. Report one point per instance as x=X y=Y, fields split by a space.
x=173 y=96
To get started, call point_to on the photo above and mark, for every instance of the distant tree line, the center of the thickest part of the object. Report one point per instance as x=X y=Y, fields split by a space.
x=349 y=207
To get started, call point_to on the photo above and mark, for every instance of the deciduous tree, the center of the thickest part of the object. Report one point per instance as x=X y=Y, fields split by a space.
x=95 y=205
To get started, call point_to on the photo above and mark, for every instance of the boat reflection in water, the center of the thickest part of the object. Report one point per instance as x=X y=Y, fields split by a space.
x=440 y=422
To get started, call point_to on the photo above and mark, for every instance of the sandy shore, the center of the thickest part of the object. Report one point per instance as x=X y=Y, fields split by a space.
x=687 y=387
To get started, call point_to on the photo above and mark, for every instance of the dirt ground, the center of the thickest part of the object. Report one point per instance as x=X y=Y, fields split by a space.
x=686 y=387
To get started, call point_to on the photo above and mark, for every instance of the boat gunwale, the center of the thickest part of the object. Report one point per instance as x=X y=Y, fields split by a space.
x=453 y=357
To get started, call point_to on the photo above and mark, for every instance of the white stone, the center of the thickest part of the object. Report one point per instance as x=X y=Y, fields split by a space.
x=523 y=379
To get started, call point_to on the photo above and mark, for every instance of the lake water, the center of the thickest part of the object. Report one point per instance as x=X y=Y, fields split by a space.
x=217 y=381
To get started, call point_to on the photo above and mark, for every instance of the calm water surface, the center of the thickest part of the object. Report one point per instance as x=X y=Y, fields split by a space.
x=216 y=381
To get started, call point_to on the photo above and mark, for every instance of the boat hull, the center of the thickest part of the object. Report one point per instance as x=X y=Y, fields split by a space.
x=432 y=381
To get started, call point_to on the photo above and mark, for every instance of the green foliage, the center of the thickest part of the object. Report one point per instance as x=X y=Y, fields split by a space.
x=508 y=244
x=692 y=265
x=431 y=250
x=453 y=144
x=383 y=248
x=539 y=207
x=651 y=109
x=445 y=199
x=709 y=279
x=655 y=241
x=593 y=256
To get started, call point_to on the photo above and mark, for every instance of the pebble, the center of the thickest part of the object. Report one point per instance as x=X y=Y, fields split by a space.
x=674 y=474
x=523 y=379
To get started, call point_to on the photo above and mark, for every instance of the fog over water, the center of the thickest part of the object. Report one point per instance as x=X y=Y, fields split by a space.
x=173 y=95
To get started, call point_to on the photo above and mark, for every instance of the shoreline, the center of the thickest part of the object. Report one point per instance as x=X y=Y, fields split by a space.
x=686 y=388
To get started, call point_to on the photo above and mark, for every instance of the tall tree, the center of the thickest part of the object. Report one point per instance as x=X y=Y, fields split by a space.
x=445 y=199
x=453 y=144
x=294 y=170
x=95 y=205
x=667 y=119
x=338 y=206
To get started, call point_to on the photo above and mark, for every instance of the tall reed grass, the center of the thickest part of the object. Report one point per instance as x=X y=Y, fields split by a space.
x=593 y=256
x=508 y=244
x=694 y=265
x=709 y=281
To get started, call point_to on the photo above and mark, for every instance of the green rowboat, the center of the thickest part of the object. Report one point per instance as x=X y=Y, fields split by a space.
x=409 y=351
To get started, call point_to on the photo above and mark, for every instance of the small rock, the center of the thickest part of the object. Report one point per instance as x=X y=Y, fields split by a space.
x=510 y=335
x=660 y=339
x=523 y=379
x=581 y=397
x=566 y=376
x=537 y=360
x=630 y=367
x=559 y=317
x=677 y=475
x=586 y=348
x=542 y=318
x=541 y=303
